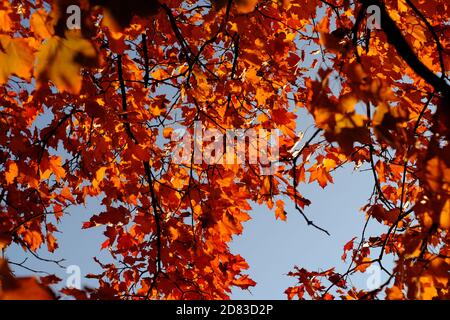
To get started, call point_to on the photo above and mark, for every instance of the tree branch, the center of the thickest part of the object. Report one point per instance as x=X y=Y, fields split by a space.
x=396 y=38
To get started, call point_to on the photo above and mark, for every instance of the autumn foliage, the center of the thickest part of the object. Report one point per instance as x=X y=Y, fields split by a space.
x=116 y=88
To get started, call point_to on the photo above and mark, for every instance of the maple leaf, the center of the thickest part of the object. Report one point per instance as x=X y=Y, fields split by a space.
x=73 y=52
x=167 y=132
x=52 y=165
x=5 y=20
x=394 y=293
x=40 y=24
x=348 y=246
x=16 y=57
x=99 y=175
x=49 y=280
x=244 y=282
x=279 y=211
x=444 y=217
x=52 y=245
x=12 y=173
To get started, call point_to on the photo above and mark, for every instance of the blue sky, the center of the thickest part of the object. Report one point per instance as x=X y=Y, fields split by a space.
x=272 y=247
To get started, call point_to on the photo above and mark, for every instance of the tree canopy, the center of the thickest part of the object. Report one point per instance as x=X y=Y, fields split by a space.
x=118 y=80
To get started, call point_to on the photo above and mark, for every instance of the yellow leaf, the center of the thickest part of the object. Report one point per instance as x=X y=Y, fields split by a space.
x=159 y=74
x=246 y=6
x=233 y=27
x=174 y=233
x=5 y=21
x=329 y=164
x=60 y=60
x=242 y=6
x=364 y=264
x=347 y=103
x=16 y=58
x=167 y=132
x=394 y=293
x=444 y=218
x=12 y=173
x=427 y=290
x=32 y=238
x=279 y=211
x=348 y=121
x=39 y=26
x=56 y=168
x=402 y=7
x=99 y=175
x=259 y=43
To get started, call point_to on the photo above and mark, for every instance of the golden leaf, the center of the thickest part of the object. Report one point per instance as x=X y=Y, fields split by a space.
x=5 y=21
x=16 y=58
x=444 y=218
x=60 y=60
x=12 y=173
x=39 y=26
